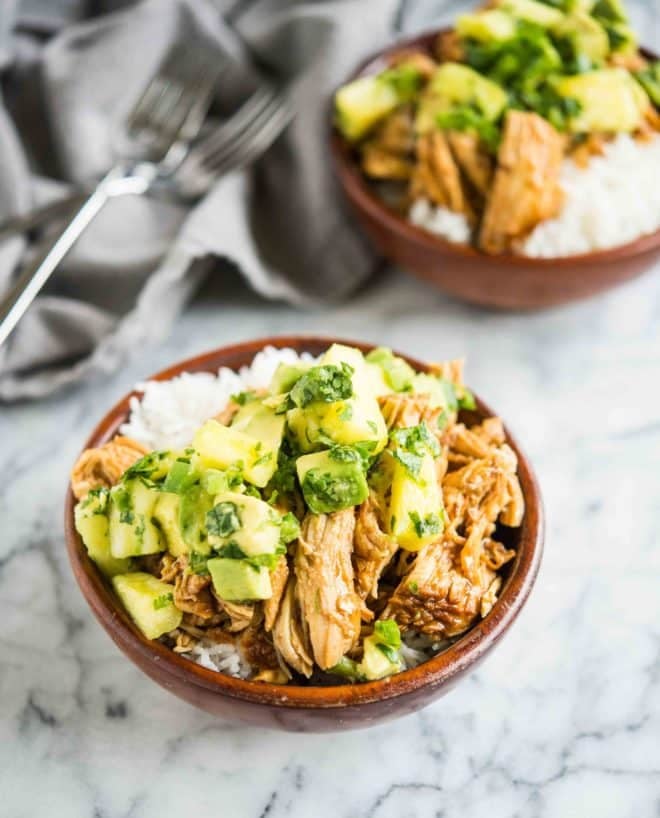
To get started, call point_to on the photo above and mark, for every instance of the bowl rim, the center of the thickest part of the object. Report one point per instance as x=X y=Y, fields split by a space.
x=359 y=191
x=434 y=673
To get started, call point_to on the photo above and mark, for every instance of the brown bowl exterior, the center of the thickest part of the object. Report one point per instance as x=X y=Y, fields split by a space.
x=503 y=282
x=295 y=708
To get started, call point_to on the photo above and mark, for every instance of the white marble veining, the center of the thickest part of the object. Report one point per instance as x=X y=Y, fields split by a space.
x=562 y=721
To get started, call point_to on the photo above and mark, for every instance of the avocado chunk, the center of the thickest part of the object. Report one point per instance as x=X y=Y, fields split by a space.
x=166 y=514
x=398 y=374
x=238 y=580
x=332 y=480
x=381 y=655
x=610 y=101
x=91 y=520
x=223 y=447
x=532 y=12
x=286 y=376
x=149 y=603
x=490 y=26
x=585 y=35
x=244 y=521
x=132 y=531
x=455 y=85
x=364 y=102
x=416 y=513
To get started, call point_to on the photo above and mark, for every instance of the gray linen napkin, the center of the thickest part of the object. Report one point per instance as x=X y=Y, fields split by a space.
x=69 y=81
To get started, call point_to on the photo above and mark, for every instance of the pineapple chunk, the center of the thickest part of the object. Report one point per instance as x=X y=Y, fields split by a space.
x=149 y=603
x=416 y=511
x=223 y=446
x=91 y=519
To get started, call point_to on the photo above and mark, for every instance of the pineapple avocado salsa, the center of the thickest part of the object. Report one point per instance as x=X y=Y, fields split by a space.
x=340 y=524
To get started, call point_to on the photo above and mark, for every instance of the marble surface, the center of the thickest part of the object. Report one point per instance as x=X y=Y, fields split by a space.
x=562 y=721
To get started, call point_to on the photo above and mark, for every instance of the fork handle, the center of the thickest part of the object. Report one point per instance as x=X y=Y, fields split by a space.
x=41 y=215
x=119 y=181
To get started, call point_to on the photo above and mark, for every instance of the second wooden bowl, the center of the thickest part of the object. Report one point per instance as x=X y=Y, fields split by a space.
x=507 y=281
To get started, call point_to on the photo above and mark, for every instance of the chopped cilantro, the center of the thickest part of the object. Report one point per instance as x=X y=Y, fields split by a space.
x=411 y=444
x=348 y=669
x=163 y=601
x=426 y=526
x=289 y=528
x=388 y=639
x=197 y=562
x=231 y=551
x=357 y=453
x=323 y=384
x=413 y=587
x=244 y=397
x=223 y=519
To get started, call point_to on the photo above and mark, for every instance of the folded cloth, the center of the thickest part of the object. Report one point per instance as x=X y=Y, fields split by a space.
x=70 y=82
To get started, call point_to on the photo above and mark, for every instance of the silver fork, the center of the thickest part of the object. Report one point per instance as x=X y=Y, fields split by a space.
x=231 y=146
x=159 y=131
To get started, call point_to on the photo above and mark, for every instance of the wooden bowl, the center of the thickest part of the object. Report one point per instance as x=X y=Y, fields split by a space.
x=506 y=281
x=297 y=708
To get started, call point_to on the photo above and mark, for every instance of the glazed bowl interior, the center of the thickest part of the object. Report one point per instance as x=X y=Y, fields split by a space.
x=435 y=673
x=505 y=281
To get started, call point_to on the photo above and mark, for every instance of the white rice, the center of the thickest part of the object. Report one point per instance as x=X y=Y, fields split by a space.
x=220 y=656
x=167 y=415
x=615 y=200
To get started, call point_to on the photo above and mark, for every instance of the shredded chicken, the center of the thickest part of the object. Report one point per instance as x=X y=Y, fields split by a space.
x=381 y=164
x=419 y=60
x=102 y=467
x=289 y=636
x=257 y=648
x=278 y=579
x=240 y=614
x=454 y=580
x=192 y=594
x=373 y=550
x=401 y=410
x=526 y=187
x=329 y=604
x=436 y=176
x=587 y=148
x=473 y=160
x=448 y=47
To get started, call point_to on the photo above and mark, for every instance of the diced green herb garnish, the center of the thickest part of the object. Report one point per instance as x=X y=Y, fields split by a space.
x=466 y=400
x=411 y=444
x=388 y=639
x=223 y=519
x=289 y=528
x=244 y=397
x=231 y=551
x=425 y=526
x=324 y=384
x=163 y=601
x=197 y=563
x=348 y=669
x=413 y=587
x=468 y=118
x=122 y=498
